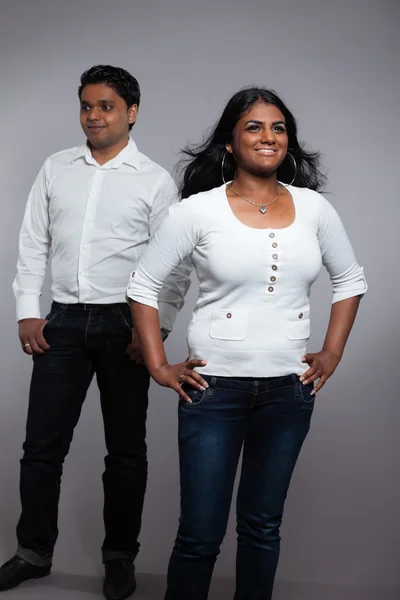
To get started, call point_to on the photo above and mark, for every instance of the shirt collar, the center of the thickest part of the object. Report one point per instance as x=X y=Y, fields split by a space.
x=130 y=155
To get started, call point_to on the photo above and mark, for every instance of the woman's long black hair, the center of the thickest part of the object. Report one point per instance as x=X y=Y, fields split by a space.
x=201 y=166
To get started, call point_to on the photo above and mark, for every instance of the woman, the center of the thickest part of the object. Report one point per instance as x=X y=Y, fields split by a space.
x=257 y=244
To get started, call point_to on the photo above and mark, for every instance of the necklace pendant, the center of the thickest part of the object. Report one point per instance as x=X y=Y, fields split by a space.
x=263 y=209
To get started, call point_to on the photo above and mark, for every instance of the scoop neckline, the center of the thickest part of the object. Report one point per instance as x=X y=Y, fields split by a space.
x=263 y=229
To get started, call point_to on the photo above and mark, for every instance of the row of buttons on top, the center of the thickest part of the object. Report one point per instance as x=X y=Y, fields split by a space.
x=274 y=267
x=272 y=278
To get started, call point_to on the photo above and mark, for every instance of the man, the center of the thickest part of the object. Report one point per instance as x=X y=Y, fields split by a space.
x=95 y=207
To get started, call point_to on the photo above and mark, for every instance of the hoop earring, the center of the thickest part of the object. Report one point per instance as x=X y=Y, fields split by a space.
x=295 y=170
x=223 y=166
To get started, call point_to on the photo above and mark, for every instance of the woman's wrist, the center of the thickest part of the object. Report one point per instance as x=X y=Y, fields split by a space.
x=334 y=351
x=153 y=370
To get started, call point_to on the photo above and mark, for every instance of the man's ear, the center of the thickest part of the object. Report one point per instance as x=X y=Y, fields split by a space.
x=132 y=114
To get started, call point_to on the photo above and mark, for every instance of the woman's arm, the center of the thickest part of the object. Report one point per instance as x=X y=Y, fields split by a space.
x=173 y=242
x=147 y=326
x=172 y=294
x=348 y=287
x=323 y=364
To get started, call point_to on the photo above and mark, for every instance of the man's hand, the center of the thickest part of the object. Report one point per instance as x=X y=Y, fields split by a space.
x=31 y=336
x=134 y=351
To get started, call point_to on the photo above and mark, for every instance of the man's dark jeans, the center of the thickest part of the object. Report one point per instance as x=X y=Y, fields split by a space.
x=269 y=419
x=84 y=340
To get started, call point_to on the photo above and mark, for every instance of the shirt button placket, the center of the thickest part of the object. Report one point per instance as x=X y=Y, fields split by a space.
x=87 y=232
x=273 y=260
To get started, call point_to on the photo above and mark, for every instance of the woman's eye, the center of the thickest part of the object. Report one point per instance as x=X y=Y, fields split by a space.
x=280 y=129
x=253 y=128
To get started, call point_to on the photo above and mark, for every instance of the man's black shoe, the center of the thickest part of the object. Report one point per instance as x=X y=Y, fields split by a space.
x=17 y=570
x=120 y=581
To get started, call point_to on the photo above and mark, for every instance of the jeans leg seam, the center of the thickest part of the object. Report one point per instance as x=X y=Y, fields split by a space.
x=87 y=329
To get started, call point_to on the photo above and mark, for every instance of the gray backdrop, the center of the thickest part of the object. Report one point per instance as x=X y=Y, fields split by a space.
x=335 y=64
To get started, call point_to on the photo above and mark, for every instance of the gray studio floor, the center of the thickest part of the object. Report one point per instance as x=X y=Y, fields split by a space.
x=63 y=586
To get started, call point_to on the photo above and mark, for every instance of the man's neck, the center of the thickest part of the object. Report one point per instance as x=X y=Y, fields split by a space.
x=103 y=155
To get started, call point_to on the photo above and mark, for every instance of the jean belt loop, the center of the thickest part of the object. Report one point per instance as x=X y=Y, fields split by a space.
x=296 y=383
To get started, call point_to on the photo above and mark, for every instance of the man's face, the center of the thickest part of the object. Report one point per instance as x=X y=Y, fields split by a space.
x=105 y=117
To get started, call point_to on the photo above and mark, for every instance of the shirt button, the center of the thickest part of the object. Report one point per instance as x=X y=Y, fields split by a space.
x=274 y=268
x=301 y=315
x=84 y=247
x=229 y=315
x=82 y=274
x=274 y=256
x=273 y=279
x=270 y=289
x=271 y=235
x=274 y=245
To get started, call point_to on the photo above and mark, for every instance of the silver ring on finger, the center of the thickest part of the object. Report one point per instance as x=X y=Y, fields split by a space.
x=181 y=378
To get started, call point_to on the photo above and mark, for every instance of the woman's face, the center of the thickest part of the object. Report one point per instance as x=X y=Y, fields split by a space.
x=260 y=140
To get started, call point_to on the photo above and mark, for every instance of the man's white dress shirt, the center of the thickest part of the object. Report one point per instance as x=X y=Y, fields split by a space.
x=94 y=221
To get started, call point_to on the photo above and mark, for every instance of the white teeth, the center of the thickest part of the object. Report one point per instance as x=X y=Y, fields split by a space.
x=266 y=151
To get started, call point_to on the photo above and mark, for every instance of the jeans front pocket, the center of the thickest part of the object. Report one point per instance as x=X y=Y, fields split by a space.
x=52 y=316
x=305 y=391
x=197 y=396
x=126 y=318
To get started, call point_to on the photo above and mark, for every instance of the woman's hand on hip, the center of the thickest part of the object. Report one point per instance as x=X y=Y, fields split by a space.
x=321 y=366
x=174 y=376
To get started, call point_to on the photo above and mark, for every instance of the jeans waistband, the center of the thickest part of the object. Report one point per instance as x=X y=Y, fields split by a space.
x=86 y=307
x=252 y=383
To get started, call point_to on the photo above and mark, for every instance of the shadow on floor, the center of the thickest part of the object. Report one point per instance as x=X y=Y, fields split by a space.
x=67 y=586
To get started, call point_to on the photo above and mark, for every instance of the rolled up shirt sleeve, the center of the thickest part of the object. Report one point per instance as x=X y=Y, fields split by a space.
x=173 y=243
x=347 y=277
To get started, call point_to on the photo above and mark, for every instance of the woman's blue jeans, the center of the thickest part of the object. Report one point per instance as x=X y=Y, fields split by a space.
x=269 y=419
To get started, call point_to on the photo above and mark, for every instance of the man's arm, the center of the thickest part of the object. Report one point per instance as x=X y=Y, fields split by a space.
x=34 y=246
x=172 y=295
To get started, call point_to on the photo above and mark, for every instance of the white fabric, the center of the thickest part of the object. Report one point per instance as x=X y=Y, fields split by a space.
x=97 y=221
x=245 y=323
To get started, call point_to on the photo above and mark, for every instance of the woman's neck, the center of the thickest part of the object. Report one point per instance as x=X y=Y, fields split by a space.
x=255 y=187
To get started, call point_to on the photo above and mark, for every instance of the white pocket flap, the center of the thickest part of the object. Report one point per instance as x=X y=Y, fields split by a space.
x=229 y=324
x=298 y=325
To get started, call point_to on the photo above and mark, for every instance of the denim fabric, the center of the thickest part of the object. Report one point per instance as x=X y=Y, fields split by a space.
x=85 y=340
x=266 y=418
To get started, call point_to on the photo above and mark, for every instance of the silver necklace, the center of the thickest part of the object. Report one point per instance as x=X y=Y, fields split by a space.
x=261 y=207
